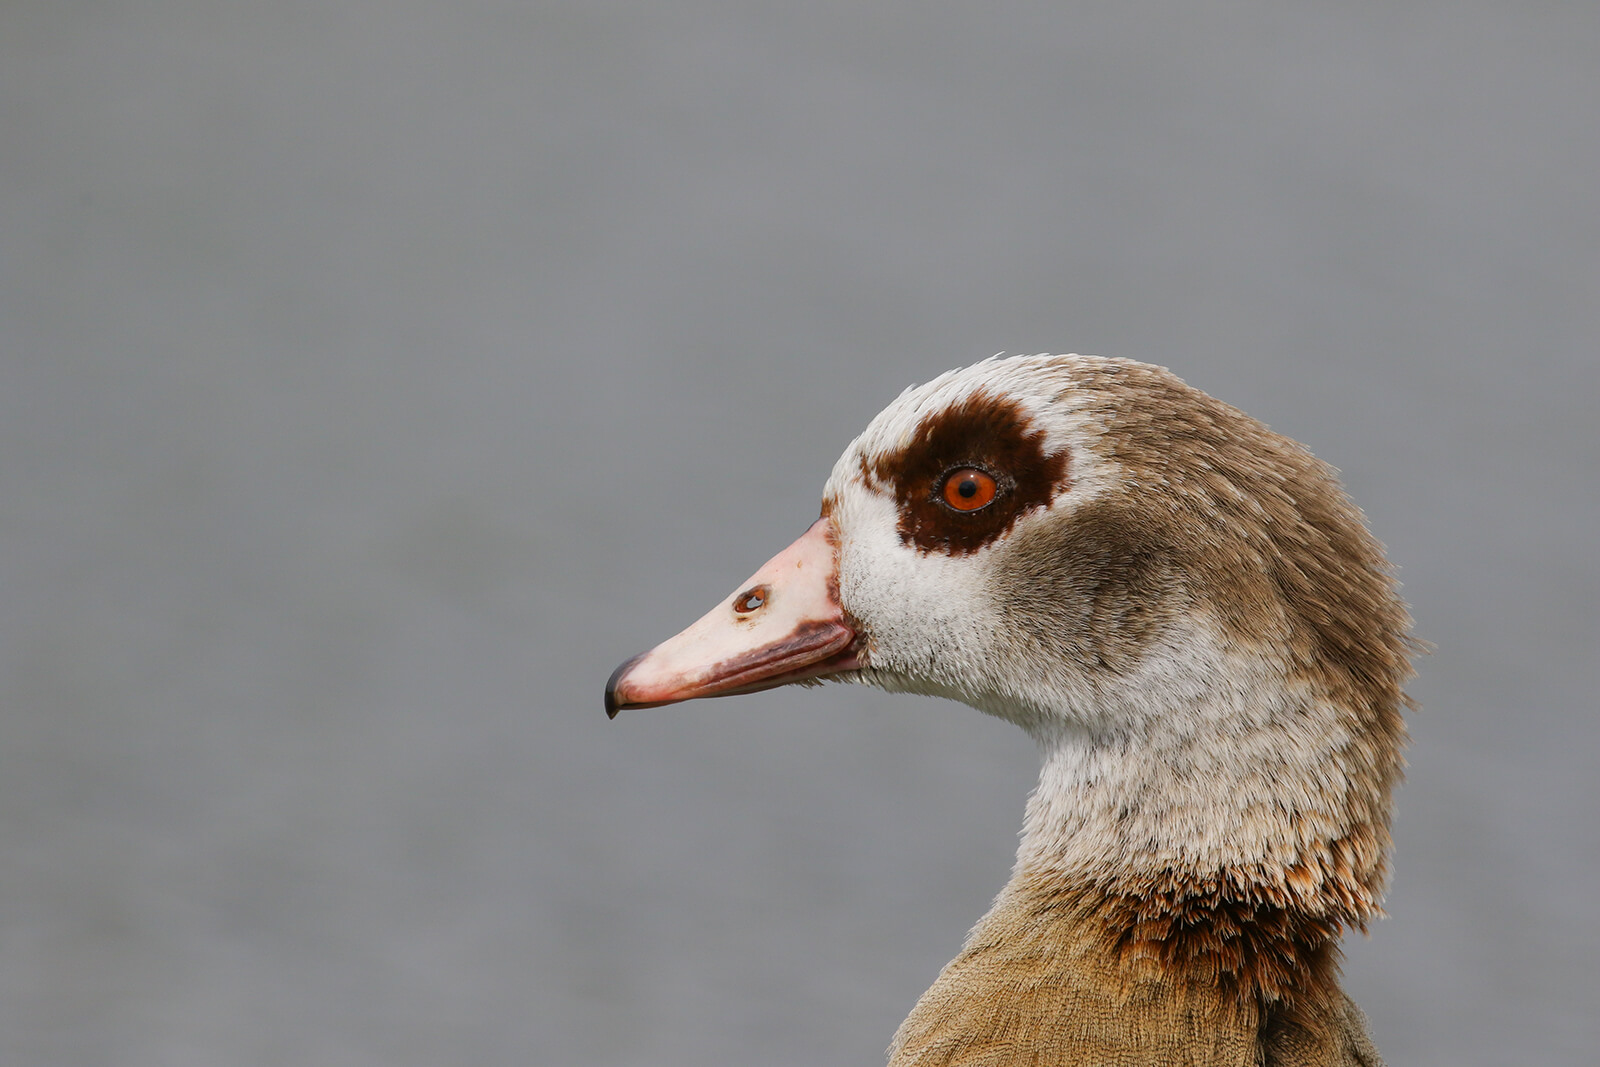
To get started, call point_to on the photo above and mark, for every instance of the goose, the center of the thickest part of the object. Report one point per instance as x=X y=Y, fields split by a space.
x=1191 y=619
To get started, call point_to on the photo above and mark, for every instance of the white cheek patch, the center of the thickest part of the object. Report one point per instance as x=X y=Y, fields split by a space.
x=925 y=613
x=934 y=625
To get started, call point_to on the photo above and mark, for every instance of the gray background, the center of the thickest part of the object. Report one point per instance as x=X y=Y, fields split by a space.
x=377 y=375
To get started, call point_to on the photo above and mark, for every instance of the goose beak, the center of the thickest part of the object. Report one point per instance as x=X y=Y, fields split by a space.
x=783 y=625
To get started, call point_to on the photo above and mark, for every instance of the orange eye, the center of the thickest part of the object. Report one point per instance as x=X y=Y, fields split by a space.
x=968 y=489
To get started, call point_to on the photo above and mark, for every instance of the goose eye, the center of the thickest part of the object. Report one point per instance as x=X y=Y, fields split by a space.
x=968 y=489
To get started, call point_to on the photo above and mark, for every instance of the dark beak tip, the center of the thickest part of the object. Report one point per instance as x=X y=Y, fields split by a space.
x=613 y=705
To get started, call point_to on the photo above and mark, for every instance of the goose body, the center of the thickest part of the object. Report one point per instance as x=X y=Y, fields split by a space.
x=1190 y=618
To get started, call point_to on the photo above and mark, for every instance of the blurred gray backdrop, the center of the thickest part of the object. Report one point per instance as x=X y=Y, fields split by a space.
x=374 y=376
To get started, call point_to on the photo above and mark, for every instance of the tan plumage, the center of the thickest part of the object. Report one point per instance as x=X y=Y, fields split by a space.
x=1042 y=980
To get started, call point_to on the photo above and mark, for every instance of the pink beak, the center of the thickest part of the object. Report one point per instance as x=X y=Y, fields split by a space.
x=781 y=626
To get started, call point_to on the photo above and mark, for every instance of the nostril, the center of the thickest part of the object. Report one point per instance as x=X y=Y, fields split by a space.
x=751 y=600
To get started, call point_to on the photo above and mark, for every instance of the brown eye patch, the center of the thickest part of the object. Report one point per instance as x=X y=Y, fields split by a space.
x=981 y=449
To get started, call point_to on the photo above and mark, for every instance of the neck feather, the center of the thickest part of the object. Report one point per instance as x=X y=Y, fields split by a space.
x=1232 y=838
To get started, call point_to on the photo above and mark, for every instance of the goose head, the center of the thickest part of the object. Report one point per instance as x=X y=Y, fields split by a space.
x=1182 y=607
